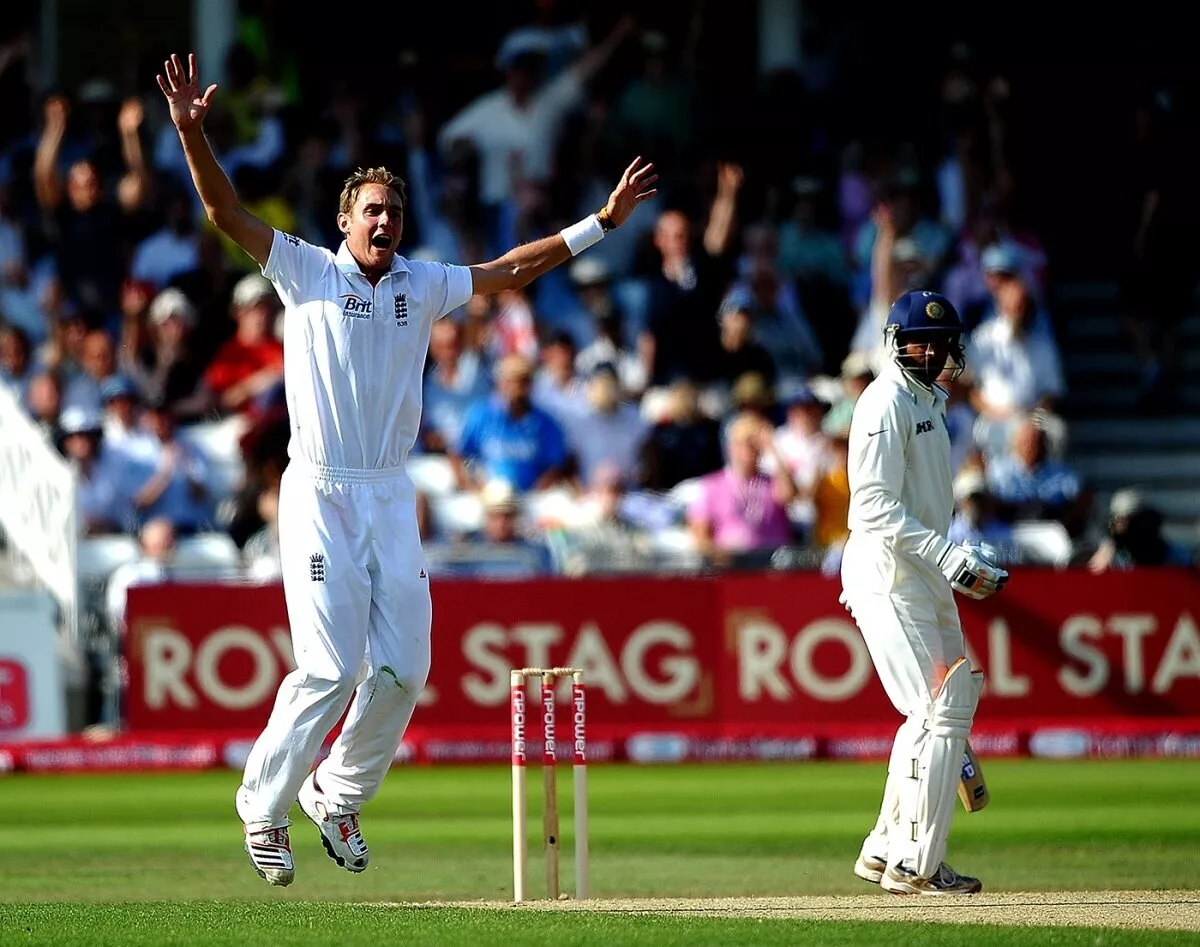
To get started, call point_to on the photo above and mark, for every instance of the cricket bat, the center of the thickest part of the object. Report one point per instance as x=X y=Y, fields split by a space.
x=972 y=790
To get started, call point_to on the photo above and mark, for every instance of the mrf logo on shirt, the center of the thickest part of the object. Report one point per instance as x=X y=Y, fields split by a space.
x=355 y=307
x=924 y=427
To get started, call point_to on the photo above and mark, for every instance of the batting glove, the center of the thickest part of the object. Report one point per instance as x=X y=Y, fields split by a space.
x=971 y=571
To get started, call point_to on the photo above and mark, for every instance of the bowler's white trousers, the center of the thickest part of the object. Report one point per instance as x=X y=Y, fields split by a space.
x=906 y=611
x=358 y=603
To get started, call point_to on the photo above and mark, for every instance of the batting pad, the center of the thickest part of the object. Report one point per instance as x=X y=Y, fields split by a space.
x=927 y=795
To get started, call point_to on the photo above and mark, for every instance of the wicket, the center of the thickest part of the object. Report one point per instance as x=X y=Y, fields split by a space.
x=548 y=678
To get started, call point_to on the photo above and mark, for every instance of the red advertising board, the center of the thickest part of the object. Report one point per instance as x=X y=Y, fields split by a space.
x=763 y=657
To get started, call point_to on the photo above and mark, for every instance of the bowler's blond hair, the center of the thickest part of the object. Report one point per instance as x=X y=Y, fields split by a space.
x=359 y=178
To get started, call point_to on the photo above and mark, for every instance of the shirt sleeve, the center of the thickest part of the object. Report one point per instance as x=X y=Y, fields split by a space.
x=877 y=466
x=294 y=267
x=447 y=286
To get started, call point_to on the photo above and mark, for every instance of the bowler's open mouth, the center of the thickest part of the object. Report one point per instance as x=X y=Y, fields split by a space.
x=381 y=241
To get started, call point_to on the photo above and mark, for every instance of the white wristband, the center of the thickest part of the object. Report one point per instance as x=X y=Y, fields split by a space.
x=582 y=235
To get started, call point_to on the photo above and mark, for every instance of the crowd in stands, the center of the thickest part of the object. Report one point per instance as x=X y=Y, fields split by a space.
x=678 y=397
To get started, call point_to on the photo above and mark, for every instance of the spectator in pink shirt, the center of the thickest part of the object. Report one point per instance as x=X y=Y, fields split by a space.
x=739 y=509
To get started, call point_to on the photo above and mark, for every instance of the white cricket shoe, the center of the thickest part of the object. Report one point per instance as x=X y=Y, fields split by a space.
x=339 y=827
x=900 y=880
x=870 y=868
x=270 y=852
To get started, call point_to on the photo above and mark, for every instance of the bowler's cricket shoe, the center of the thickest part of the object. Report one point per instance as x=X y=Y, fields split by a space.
x=270 y=852
x=339 y=827
x=900 y=880
x=870 y=868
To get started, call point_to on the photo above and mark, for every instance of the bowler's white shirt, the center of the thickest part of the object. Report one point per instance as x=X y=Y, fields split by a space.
x=901 y=487
x=353 y=353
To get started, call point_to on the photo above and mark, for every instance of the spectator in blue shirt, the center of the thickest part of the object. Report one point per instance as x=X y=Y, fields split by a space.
x=456 y=379
x=976 y=522
x=508 y=438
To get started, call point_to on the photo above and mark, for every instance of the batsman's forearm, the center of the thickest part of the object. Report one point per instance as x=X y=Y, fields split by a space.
x=215 y=189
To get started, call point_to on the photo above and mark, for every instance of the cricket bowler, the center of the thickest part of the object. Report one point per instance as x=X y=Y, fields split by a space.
x=899 y=575
x=356 y=330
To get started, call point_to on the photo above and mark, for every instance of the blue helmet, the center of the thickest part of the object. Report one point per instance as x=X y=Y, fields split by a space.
x=923 y=311
x=918 y=314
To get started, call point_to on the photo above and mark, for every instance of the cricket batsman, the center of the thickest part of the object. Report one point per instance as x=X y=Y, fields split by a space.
x=356 y=330
x=899 y=575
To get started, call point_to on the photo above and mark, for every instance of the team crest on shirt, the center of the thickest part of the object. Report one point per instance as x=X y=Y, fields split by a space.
x=316 y=567
x=401 y=309
x=355 y=307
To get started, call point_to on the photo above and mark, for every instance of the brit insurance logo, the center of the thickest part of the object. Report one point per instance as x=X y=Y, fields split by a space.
x=355 y=307
x=401 y=309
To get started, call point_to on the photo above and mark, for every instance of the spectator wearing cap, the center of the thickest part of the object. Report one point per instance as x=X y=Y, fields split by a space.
x=45 y=403
x=1013 y=369
x=172 y=250
x=975 y=520
x=503 y=550
x=104 y=477
x=593 y=282
x=1134 y=537
x=157 y=544
x=173 y=477
x=609 y=431
x=684 y=444
x=97 y=362
x=248 y=367
x=455 y=380
x=856 y=375
x=122 y=432
x=804 y=447
x=507 y=437
x=167 y=368
x=1002 y=264
x=557 y=388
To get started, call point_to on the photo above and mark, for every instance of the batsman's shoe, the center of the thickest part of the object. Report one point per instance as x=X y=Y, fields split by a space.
x=270 y=852
x=945 y=881
x=338 y=826
x=869 y=868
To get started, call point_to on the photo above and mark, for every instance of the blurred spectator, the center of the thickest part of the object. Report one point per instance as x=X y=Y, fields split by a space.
x=261 y=552
x=607 y=432
x=507 y=438
x=609 y=535
x=752 y=394
x=172 y=250
x=510 y=330
x=738 y=508
x=24 y=295
x=960 y=419
x=1029 y=485
x=248 y=368
x=684 y=445
x=514 y=130
x=657 y=112
x=16 y=368
x=455 y=380
x=1001 y=264
x=780 y=325
x=98 y=364
x=122 y=432
x=1013 y=370
x=553 y=32
x=45 y=403
x=105 y=478
x=905 y=213
x=153 y=567
x=557 y=389
x=1159 y=282
x=740 y=353
x=976 y=521
x=81 y=224
x=499 y=550
x=165 y=367
x=681 y=336
x=856 y=375
x=830 y=495
x=173 y=477
x=592 y=278
x=804 y=448
x=1134 y=537
x=809 y=252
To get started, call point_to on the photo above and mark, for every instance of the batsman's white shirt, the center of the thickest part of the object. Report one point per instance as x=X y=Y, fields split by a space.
x=352 y=566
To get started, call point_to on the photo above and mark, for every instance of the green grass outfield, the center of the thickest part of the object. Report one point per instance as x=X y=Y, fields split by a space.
x=158 y=858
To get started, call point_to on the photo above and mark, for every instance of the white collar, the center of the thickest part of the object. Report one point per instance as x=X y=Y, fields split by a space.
x=347 y=264
x=917 y=390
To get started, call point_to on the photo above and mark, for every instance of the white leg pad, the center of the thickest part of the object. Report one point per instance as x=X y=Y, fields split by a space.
x=928 y=791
